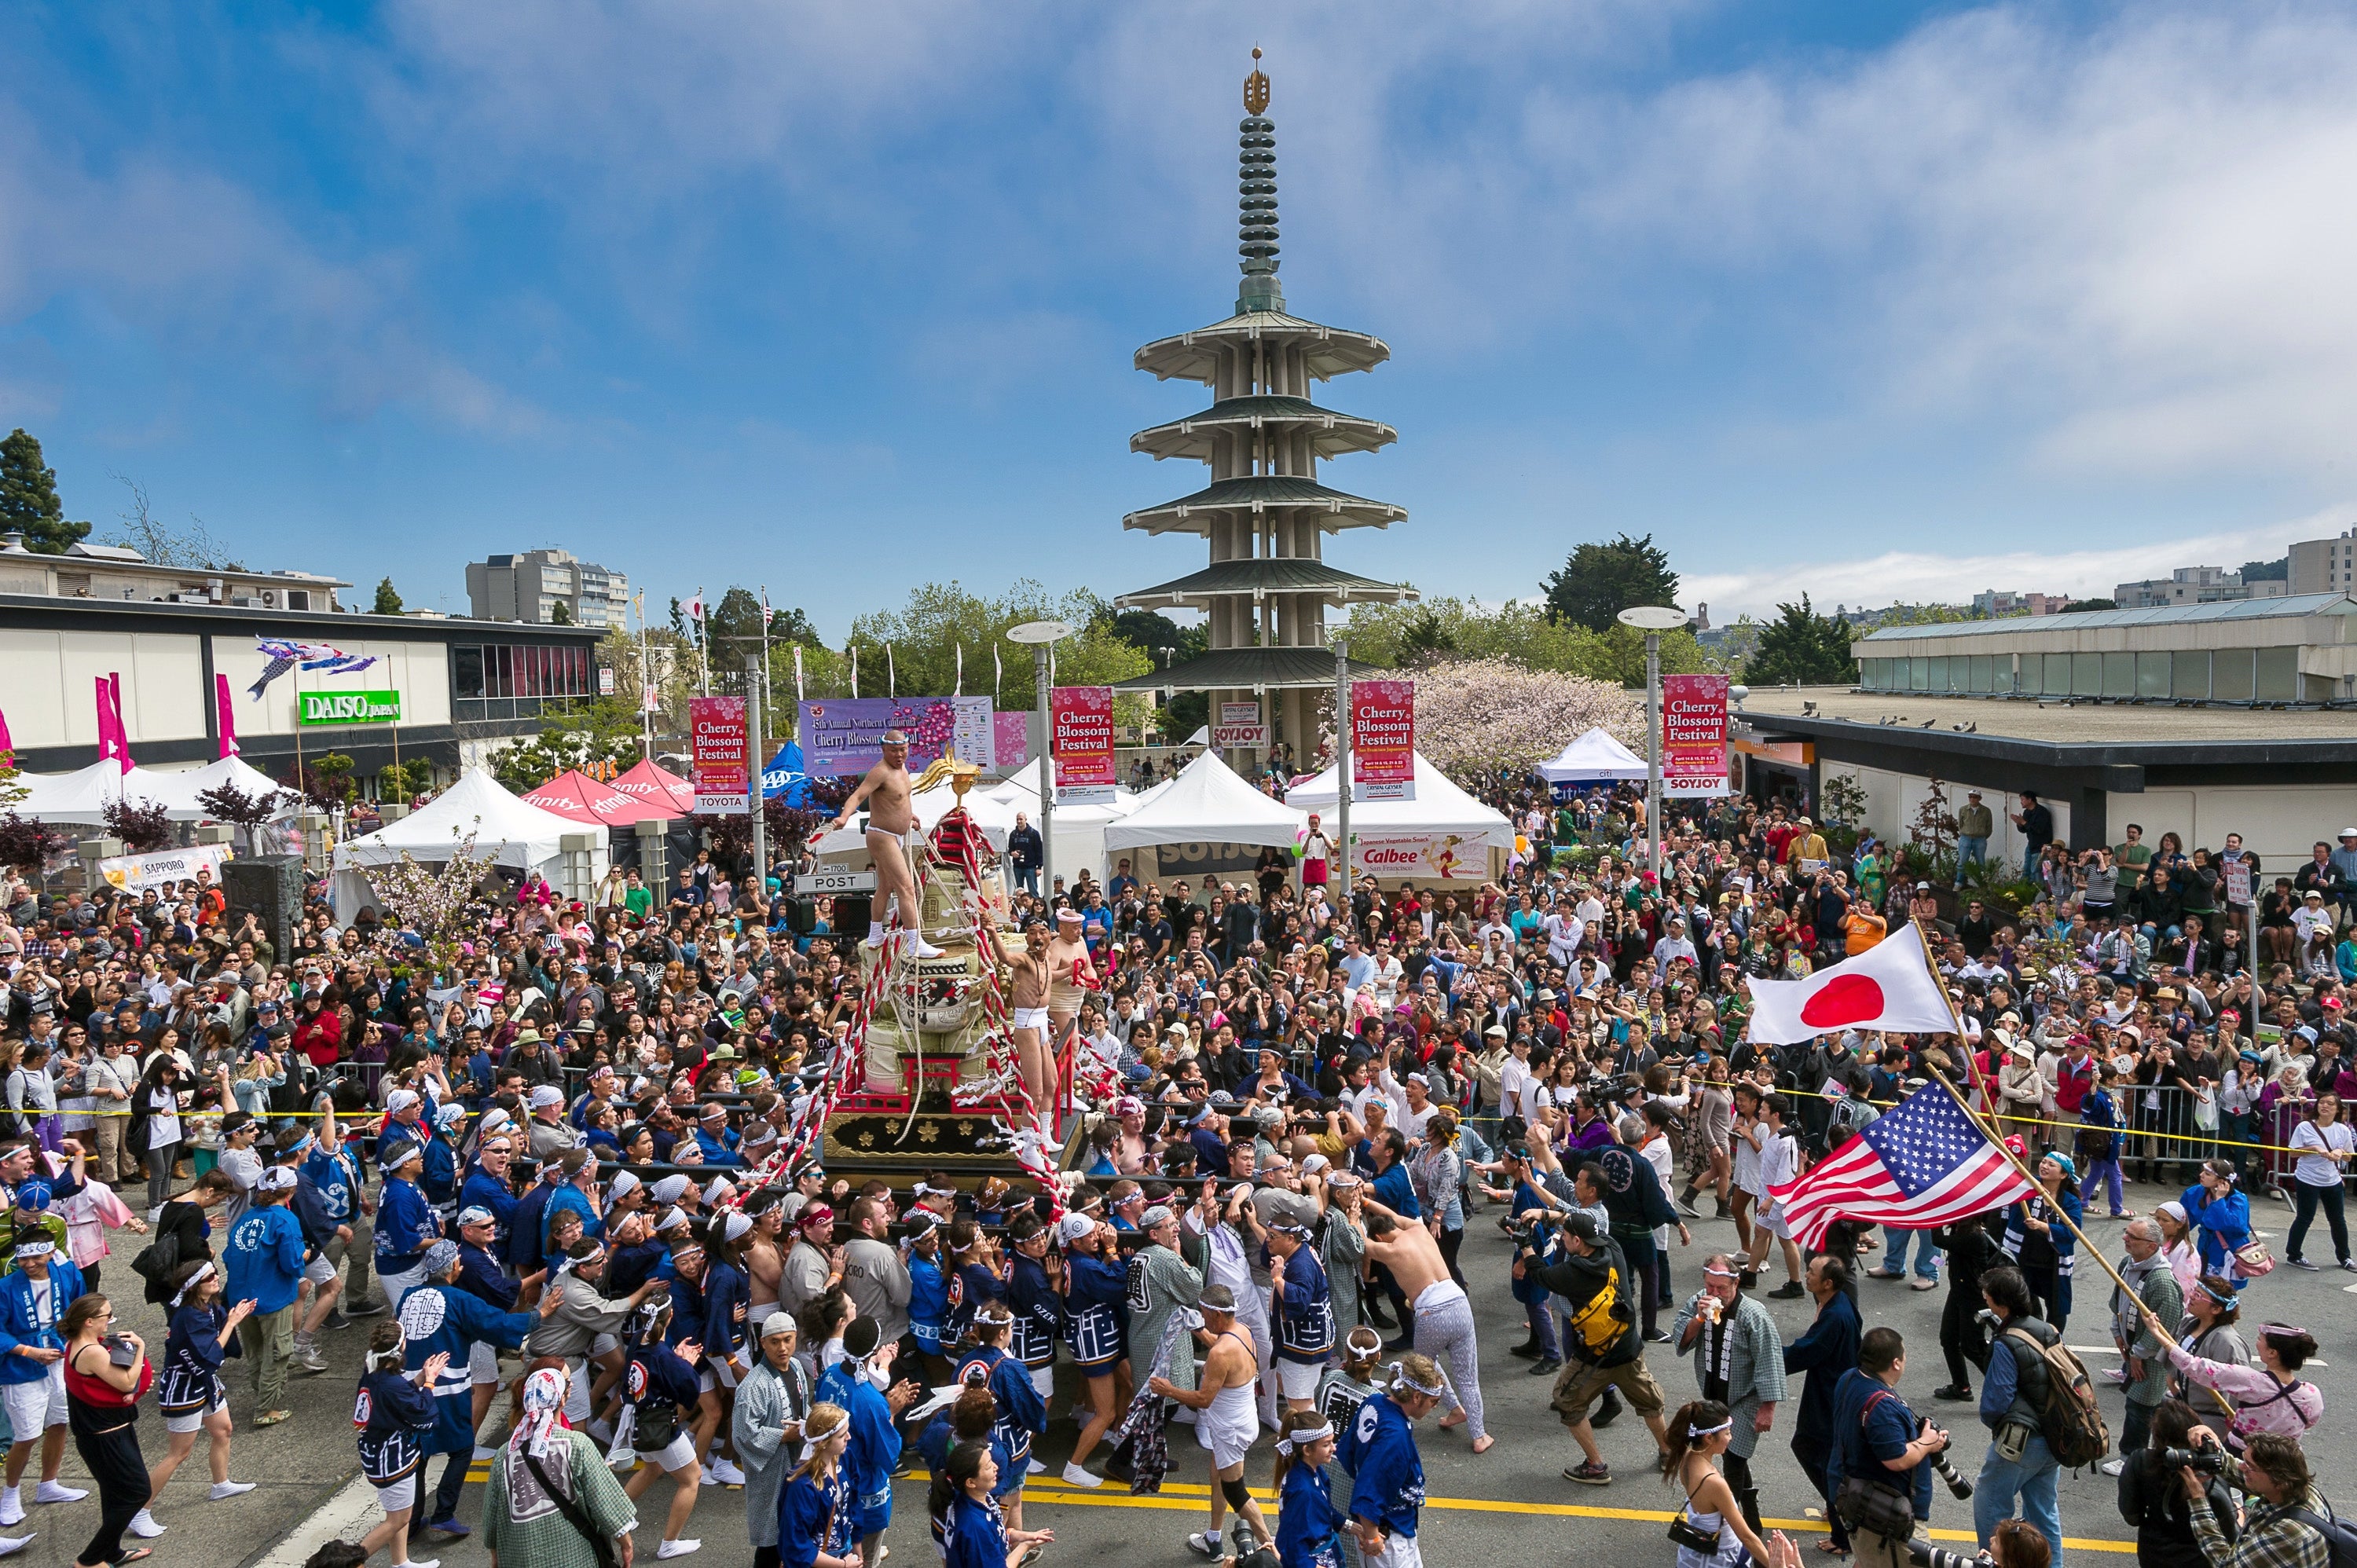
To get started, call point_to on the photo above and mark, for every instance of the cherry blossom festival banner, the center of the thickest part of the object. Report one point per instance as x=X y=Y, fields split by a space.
x=1079 y=721
x=1694 y=736
x=1382 y=740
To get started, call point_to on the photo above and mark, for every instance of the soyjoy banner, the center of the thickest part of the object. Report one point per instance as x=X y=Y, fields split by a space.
x=718 y=739
x=1436 y=857
x=135 y=873
x=348 y=708
x=1694 y=736
x=1080 y=723
x=1382 y=740
x=1240 y=724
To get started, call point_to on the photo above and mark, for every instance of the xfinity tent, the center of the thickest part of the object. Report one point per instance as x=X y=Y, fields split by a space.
x=1442 y=835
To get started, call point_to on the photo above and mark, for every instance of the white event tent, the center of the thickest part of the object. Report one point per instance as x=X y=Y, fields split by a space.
x=505 y=831
x=81 y=796
x=1207 y=803
x=177 y=792
x=1596 y=757
x=1439 y=808
x=1079 y=830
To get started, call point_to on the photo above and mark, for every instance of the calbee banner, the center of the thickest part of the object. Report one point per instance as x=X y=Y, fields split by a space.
x=1429 y=857
x=162 y=867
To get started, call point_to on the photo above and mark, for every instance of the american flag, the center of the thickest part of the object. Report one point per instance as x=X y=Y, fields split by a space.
x=1923 y=1164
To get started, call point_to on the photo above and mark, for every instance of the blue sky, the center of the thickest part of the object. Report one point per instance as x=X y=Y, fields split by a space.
x=1880 y=301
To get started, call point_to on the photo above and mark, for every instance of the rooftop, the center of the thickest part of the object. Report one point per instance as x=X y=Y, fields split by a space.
x=1195 y=356
x=1260 y=493
x=2051 y=720
x=1248 y=668
x=1280 y=575
x=2288 y=606
x=1191 y=437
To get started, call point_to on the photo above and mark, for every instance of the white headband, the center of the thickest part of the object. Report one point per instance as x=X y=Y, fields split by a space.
x=204 y=1271
x=1695 y=1431
x=1293 y=1442
x=1399 y=1376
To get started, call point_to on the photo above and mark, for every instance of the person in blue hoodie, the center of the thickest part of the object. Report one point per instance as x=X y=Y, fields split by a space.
x=1308 y=1528
x=487 y=1186
x=329 y=1164
x=33 y=1296
x=859 y=1384
x=264 y=1258
x=189 y=1391
x=405 y=1223
x=1096 y=1312
x=445 y=1323
x=394 y=1412
x=715 y=1139
x=1387 y=1491
x=1038 y=1305
x=660 y=1393
x=929 y=1293
x=576 y=1184
x=963 y=1507
x=527 y=1244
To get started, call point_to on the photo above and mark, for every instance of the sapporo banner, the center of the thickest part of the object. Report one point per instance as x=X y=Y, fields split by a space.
x=842 y=738
x=1240 y=726
x=1694 y=736
x=719 y=740
x=1382 y=740
x=158 y=868
x=1425 y=857
x=1079 y=721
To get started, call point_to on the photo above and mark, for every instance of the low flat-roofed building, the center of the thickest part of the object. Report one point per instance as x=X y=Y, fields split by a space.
x=2300 y=648
x=463 y=687
x=2281 y=777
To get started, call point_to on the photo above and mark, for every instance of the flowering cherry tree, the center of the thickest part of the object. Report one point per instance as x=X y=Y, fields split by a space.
x=439 y=903
x=1475 y=716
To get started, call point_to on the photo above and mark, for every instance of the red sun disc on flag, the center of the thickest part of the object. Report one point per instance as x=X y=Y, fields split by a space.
x=1846 y=999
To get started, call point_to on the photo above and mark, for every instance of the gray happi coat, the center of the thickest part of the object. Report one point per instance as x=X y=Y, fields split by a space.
x=1754 y=1364
x=1160 y=1282
x=766 y=1401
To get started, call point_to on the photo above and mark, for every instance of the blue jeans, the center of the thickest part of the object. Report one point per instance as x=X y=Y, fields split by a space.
x=1894 y=1253
x=1029 y=881
x=1972 y=849
x=2098 y=1172
x=1541 y=1313
x=2034 y=1477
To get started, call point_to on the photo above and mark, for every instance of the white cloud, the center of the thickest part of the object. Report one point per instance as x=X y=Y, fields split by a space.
x=1903 y=576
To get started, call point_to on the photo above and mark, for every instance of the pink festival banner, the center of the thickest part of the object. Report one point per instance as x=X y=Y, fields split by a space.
x=718 y=739
x=1694 y=736
x=1382 y=740
x=1079 y=725
x=1011 y=745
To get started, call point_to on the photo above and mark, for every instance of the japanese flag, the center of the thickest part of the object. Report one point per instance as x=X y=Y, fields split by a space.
x=1889 y=986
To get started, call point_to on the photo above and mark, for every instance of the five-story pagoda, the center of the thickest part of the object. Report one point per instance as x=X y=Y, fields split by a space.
x=1265 y=514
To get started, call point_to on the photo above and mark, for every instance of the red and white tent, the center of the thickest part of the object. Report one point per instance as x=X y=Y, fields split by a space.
x=668 y=794
x=578 y=797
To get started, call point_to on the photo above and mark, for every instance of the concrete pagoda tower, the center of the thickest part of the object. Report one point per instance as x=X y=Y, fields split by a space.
x=1265 y=514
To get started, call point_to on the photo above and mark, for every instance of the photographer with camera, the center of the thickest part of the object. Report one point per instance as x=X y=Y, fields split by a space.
x=1879 y=1472
x=2284 y=1527
x=2152 y=1494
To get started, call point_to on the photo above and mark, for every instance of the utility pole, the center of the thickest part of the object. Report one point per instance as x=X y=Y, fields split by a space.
x=1041 y=635
x=1342 y=761
x=755 y=701
x=646 y=683
x=1653 y=620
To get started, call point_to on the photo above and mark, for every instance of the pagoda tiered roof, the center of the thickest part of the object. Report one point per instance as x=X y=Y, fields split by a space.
x=1192 y=437
x=1258 y=578
x=1251 y=669
x=1195 y=356
x=1257 y=493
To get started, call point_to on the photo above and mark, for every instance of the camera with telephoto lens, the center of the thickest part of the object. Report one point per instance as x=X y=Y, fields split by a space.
x=1961 y=1485
x=2205 y=1460
x=1924 y=1555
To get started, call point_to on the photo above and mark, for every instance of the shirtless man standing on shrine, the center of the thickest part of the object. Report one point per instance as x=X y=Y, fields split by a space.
x=1443 y=1326
x=1071 y=975
x=892 y=825
x=1027 y=1001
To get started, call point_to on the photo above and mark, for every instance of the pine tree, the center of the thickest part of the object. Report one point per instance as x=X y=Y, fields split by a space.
x=388 y=601
x=1803 y=648
x=28 y=497
x=1599 y=580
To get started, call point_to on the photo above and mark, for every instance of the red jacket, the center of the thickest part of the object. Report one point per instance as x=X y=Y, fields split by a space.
x=321 y=1036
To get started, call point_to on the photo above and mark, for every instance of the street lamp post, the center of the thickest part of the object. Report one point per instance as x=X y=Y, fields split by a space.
x=1040 y=634
x=1653 y=620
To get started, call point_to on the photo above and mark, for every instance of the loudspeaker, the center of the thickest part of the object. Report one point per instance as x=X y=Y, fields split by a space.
x=272 y=887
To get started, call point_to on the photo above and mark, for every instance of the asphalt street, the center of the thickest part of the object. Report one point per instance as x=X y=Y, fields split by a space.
x=1510 y=1500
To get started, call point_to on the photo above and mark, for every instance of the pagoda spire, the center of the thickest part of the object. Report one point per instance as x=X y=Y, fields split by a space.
x=1256 y=198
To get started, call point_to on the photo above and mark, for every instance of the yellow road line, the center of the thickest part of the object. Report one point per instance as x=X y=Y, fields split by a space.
x=1192 y=1497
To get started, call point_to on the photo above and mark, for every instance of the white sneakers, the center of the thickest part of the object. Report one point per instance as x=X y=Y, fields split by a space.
x=679 y=1547
x=57 y=1492
x=1076 y=1476
x=143 y=1526
x=1037 y=1468
x=914 y=945
x=726 y=1473
x=12 y=1545
x=223 y=1489
x=482 y=1454
x=12 y=1505
x=875 y=934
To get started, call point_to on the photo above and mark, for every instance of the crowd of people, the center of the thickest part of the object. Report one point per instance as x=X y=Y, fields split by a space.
x=552 y=1171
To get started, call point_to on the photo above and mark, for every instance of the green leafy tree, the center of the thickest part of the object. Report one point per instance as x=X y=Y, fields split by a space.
x=1443 y=630
x=940 y=619
x=788 y=626
x=2077 y=604
x=1167 y=643
x=388 y=601
x=560 y=614
x=28 y=497
x=1600 y=580
x=1802 y=648
x=604 y=731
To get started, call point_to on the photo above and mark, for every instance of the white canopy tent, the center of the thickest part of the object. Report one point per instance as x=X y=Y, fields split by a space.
x=1207 y=803
x=177 y=792
x=1079 y=830
x=80 y=796
x=1594 y=758
x=1439 y=808
x=505 y=831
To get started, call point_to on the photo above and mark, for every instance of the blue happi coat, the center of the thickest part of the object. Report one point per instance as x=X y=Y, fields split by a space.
x=447 y=1320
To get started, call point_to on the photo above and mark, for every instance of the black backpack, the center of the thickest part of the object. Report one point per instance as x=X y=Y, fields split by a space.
x=2339 y=1534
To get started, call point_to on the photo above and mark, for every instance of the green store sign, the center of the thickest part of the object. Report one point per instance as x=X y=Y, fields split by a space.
x=348 y=707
